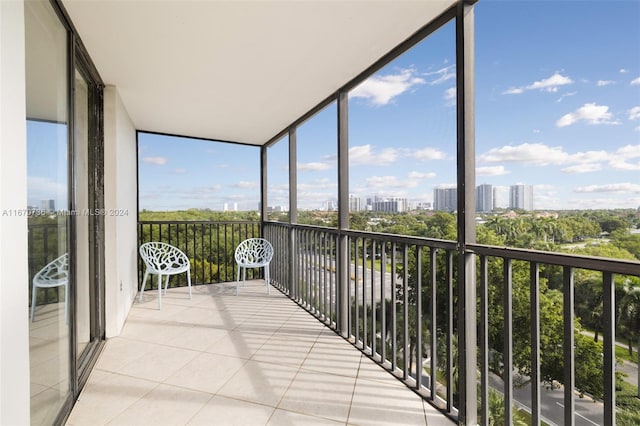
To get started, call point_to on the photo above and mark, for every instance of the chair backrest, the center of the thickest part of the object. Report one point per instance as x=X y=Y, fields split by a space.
x=54 y=273
x=254 y=251
x=163 y=257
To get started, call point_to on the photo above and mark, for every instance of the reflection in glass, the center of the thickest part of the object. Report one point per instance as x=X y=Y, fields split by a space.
x=47 y=193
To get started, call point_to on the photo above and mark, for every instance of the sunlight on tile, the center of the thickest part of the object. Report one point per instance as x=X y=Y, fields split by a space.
x=251 y=359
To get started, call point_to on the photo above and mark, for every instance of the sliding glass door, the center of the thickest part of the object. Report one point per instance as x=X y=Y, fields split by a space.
x=64 y=193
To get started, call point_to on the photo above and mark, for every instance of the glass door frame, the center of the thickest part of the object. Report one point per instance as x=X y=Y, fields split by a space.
x=79 y=59
x=82 y=63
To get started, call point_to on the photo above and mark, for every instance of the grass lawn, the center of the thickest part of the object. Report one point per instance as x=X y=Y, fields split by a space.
x=623 y=353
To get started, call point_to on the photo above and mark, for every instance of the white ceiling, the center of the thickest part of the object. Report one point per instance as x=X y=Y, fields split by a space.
x=237 y=70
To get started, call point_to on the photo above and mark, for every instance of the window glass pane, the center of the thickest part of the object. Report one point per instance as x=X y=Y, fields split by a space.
x=192 y=178
x=402 y=143
x=84 y=289
x=317 y=169
x=278 y=181
x=47 y=196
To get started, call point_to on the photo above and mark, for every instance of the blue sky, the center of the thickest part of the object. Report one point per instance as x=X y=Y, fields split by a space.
x=557 y=107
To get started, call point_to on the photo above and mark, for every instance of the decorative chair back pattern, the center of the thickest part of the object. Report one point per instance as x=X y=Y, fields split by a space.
x=54 y=274
x=254 y=252
x=161 y=258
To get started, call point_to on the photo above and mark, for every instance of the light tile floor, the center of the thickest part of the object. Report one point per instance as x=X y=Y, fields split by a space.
x=252 y=359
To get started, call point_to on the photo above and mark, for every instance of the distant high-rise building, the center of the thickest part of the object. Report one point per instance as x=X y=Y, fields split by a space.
x=393 y=204
x=48 y=205
x=230 y=207
x=424 y=205
x=354 y=203
x=445 y=199
x=484 y=198
x=521 y=197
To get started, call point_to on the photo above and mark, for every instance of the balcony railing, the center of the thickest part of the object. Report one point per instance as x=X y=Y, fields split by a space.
x=401 y=309
x=401 y=306
x=209 y=245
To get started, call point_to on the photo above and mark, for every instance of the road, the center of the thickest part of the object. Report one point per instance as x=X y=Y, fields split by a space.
x=587 y=411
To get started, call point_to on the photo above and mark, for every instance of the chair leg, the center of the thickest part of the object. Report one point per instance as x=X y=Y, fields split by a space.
x=238 y=280
x=266 y=279
x=166 y=284
x=244 y=277
x=189 y=281
x=144 y=283
x=34 y=298
x=159 y=291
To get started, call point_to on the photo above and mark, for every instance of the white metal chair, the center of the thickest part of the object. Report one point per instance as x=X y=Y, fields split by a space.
x=253 y=253
x=163 y=260
x=53 y=274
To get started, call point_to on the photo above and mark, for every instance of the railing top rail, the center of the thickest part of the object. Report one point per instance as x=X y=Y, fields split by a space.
x=617 y=266
x=193 y=222
x=402 y=239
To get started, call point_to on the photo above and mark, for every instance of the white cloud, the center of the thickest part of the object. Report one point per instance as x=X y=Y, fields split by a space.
x=323 y=183
x=602 y=83
x=549 y=84
x=381 y=89
x=388 y=182
x=450 y=96
x=158 y=161
x=579 y=162
x=625 y=187
x=441 y=75
x=427 y=154
x=565 y=95
x=179 y=171
x=629 y=151
x=621 y=164
x=635 y=81
x=591 y=113
x=245 y=185
x=634 y=113
x=513 y=91
x=583 y=168
x=535 y=153
x=623 y=71
x=421 y=175
x=491 y=171
x=315 y=167
x=364 y=154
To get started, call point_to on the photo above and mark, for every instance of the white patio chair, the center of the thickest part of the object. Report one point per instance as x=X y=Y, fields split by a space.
x=53 y=274
x=163 y=260
x=253 y=253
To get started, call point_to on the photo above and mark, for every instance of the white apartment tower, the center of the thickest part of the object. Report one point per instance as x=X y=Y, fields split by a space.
x=484 y=198
x=521 y=197
x=445 y=199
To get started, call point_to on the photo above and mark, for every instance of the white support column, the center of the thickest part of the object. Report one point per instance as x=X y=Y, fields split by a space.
x=14 y=276
x=120 y=194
